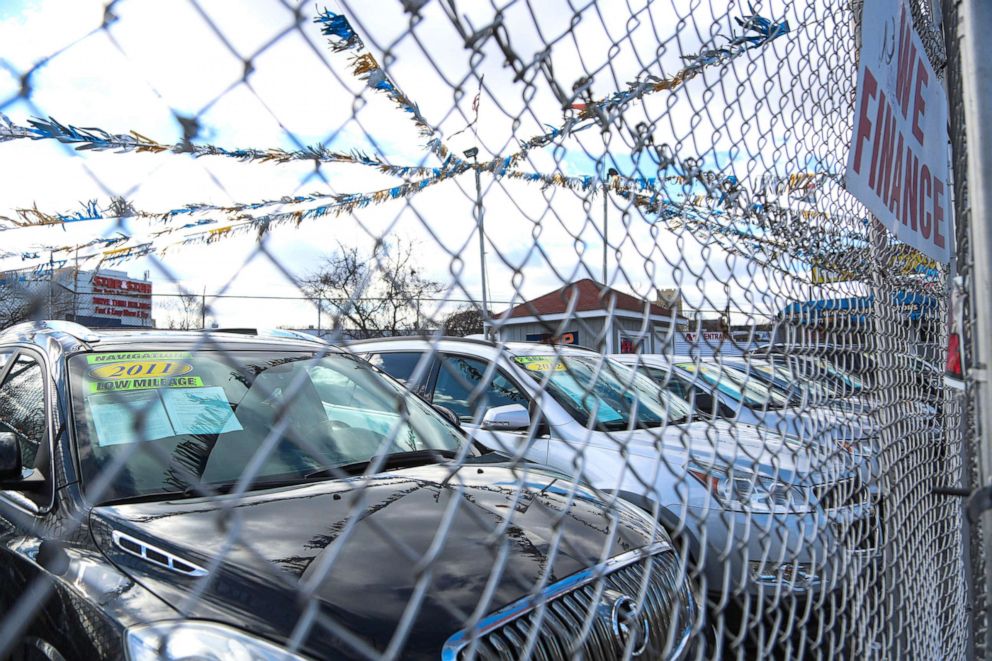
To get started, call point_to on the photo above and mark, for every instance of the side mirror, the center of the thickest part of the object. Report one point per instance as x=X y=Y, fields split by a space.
x=12 y=474
x=511 y=417
x=10 y=457
x=448 y=414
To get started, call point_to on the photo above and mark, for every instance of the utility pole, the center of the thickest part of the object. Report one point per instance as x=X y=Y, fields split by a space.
x=473 y=153
x=606 y=221
x=203 y=308
x=51 y=284
x=75 y=288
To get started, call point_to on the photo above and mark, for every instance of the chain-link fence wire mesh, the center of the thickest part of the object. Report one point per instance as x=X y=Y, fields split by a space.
x=738 y=456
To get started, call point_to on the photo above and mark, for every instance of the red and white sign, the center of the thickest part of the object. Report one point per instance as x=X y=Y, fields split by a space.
x=122 y=298
x=898 y=163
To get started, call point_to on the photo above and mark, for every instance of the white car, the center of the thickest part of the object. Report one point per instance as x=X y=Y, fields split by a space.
x=743 y=499
x=727 y=388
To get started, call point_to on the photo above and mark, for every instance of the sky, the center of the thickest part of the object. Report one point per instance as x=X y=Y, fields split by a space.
x=259 y=74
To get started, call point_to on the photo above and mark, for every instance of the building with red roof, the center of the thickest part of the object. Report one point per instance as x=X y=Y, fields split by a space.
x=591 y=314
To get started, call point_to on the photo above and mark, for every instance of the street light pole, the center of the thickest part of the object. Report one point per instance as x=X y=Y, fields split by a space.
x=473 y=153
x=606 y=235
x=606 y=220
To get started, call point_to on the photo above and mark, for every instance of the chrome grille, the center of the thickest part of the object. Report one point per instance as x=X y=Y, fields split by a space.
x=847 y=492
x=577 y=618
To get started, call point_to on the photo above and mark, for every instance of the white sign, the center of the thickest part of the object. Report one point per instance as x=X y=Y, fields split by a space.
x=897 y=166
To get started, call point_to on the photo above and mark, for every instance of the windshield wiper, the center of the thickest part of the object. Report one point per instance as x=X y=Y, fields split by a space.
x=391 y=461
x=208 y=489
x=624 y=425
x=202 y=490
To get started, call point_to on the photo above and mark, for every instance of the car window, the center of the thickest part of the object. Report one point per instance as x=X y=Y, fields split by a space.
x=663 y=378
x=458 y=388
x=400 y=365
x=604 y=394
x=22 y=407
x=169 y=420
x=740 y=386
x=790 y=376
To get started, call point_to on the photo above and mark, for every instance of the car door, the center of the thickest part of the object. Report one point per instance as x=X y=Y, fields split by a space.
x=469 y=386
x=24 y=408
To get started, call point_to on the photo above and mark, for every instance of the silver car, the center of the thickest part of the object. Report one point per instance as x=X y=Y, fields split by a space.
x=743 y=499
x=726 y=388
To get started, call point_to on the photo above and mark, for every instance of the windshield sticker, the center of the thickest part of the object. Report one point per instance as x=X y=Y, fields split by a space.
x=133 y=417
x=151 y=383
x=98 y=358
x=129 y=418
x=143 y=370
x=200 y=411
x=139 y=368
x=540 y=363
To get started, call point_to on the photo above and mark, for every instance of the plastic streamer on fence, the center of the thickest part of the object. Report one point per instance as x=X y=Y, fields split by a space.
x=98 y=139
x=750 y=230
x=343 y=38
x=700 y=213
x=723 y=186
x=115 y=249
x=721 y=191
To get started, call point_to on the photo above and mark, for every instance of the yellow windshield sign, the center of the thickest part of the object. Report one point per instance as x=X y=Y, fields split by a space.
x=540 y=363
x=141 y=370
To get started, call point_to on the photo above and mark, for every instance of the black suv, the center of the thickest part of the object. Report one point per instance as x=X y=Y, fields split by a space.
x=213 y=495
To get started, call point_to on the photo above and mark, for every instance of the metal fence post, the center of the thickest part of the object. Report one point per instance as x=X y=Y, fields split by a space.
x=973 y=24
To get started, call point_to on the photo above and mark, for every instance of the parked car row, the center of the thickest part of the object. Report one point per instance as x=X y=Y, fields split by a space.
x=751 y=503
x=213 y=494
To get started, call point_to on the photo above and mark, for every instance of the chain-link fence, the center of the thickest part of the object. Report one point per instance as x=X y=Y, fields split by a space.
x=475 y=330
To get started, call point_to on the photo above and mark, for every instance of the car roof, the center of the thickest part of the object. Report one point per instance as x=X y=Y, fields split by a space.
x=57 y=338
x=483 y=347
x=644 y=358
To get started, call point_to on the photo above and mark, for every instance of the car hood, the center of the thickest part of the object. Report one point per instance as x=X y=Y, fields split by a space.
x=357 y=549
x=821 y=424
x=728 y=443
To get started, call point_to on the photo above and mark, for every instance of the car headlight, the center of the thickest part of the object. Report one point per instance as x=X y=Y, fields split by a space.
x=202 y=641
x=743 y=490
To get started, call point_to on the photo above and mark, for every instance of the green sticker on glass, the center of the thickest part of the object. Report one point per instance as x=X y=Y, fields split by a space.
x=146 y=383
x=140 y=370
x=540 y=363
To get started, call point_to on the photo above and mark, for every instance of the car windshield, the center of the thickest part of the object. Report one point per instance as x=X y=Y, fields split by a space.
x=743 y=388
x=793 y=379
x=605 y=394
x=174 y=420
x=841 y=377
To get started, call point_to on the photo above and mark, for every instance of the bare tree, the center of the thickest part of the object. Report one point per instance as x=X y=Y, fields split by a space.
x=120 y=207
x=16 y=305
x=371 y=295
x=464 y=321
x=185 y=312
x=25 y=298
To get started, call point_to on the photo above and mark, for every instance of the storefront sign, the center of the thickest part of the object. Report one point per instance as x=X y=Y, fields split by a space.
x=121 y=298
